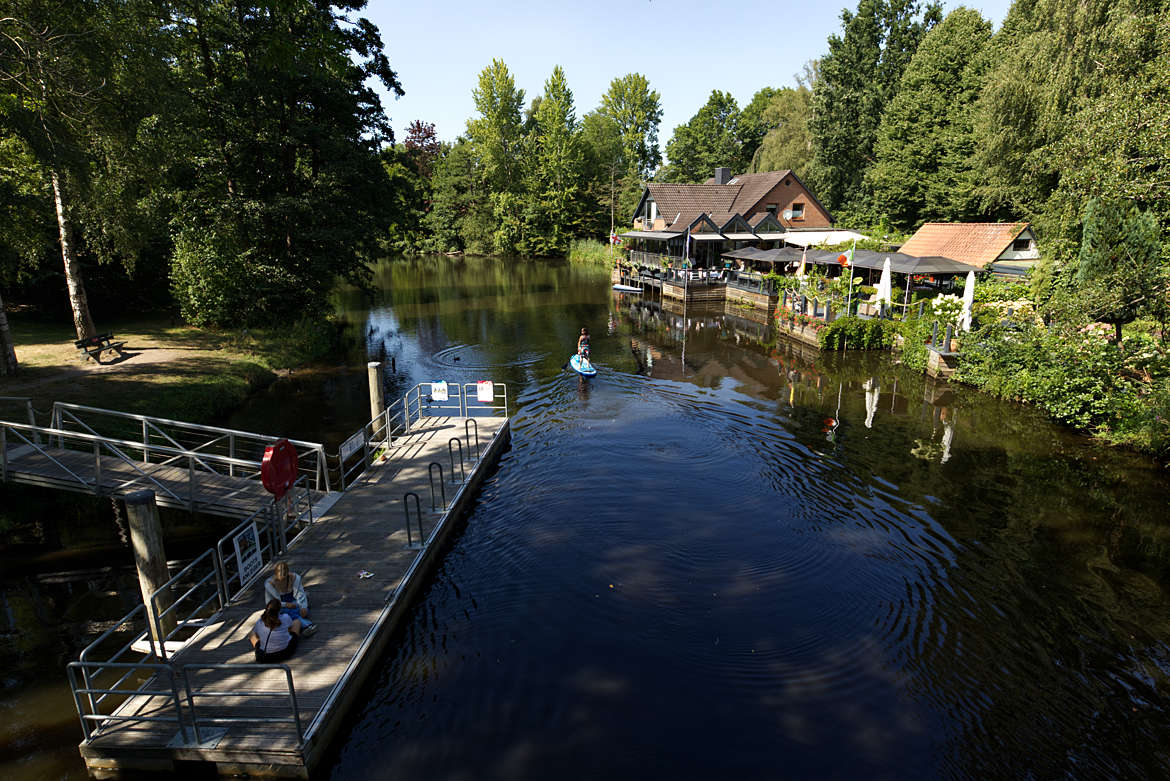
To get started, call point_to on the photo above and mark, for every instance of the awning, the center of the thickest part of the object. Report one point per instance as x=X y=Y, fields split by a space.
x=709 y=237
x=813 y=237
x=771 y=236
x=778 y=255
x=741 y=236
x=899 y=263
x=658 y=235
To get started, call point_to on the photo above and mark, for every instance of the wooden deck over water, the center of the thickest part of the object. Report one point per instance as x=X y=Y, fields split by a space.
x=363 y=530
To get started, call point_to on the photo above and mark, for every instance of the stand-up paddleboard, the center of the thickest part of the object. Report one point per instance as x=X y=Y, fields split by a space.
x=581 y=366
x=627 y=289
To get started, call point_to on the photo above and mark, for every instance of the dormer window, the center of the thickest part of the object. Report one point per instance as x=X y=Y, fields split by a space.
x=798 y=211
x=1021 y=245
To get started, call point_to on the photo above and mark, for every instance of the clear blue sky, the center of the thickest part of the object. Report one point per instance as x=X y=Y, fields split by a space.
x=686 y=49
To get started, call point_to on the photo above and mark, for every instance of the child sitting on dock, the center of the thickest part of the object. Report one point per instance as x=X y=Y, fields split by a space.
x=275 y=636
x=286 y=587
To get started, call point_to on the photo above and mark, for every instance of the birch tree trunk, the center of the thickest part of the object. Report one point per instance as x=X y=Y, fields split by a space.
x=82 y=321
x=8 y=364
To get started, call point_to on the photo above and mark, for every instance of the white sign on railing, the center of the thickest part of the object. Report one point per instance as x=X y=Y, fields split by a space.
x=352 y=445
x=248 y=557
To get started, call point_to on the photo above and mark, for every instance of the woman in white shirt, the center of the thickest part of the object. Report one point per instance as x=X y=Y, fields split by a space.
x=275 y=635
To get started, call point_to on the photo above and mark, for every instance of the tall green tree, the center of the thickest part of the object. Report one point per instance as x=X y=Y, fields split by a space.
x=281 y=131
x=604 y=167
x=1118 y=274
x=755 y=120
x=1046 y=54
x=52 y=64
x=460 y=215
x=786 y=145
x=857 y=78
x=497 y=134
x=709 y=140
x=637 y=111
x=924 y=167
x=557 y=185
x=1118 y=144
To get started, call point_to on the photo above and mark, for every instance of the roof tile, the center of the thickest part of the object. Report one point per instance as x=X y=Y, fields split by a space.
x=974 y=243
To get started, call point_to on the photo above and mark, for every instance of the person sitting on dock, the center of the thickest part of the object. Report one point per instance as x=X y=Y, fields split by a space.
x=275 y=636
x=583 y=344
x=286 y=587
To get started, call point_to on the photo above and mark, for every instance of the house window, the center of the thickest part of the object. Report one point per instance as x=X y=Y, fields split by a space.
x=1021 y=245
x=771 y=209
x=798 y=211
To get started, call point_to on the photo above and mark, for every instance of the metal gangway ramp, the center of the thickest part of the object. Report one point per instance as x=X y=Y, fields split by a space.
x=206 y=469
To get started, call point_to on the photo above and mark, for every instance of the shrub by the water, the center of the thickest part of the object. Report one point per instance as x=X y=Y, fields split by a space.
x=857 y=333
x=593 y=251
x=1078 y=376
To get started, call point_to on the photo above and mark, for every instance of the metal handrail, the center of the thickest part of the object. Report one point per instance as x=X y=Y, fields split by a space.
x=291 y=694
x=167 y=589
x=317 y=469
x=499 y=391
x=140 y=691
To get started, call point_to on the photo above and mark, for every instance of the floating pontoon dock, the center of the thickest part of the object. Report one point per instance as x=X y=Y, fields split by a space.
x=198 y=698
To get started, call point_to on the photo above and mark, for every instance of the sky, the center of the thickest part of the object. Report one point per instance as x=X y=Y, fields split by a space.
x=686 y=49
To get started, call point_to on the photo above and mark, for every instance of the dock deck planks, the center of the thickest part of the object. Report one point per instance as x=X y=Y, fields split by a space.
x=364 y=529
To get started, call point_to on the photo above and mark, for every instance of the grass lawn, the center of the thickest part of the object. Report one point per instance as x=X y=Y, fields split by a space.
x=168 y=371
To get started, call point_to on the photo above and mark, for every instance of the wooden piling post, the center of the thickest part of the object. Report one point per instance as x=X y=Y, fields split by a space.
x=377 y=399
x=150 y=558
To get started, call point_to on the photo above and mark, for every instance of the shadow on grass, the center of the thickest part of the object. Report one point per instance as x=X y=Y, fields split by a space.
x=195 y=389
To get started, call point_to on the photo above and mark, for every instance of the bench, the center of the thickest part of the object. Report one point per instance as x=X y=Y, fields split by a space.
x=93 y=347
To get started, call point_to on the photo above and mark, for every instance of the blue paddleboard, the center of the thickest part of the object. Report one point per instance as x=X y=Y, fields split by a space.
x=582 y=367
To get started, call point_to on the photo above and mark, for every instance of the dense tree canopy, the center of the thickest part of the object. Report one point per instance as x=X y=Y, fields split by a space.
x=858 y=77
x=923 y=168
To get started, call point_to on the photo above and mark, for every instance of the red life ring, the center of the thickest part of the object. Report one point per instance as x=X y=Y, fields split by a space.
x=278 y=470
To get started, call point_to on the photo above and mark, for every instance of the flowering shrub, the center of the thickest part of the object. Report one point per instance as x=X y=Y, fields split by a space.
x=947 y=308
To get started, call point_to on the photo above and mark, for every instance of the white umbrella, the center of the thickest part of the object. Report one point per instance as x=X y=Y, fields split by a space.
x=884 y=291
x=968 y=301
x=872 y=393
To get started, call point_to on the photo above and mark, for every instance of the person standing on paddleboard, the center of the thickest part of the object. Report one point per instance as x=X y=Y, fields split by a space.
x=583 y=344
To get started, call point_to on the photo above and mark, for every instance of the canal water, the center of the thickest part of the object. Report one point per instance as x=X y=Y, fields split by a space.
x=725 y=556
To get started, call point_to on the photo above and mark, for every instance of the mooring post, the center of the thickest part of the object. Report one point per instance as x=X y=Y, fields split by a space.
x=150 y=559
x=377 y=399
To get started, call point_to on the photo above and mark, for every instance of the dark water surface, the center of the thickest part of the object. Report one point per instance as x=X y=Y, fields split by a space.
x=749 y=562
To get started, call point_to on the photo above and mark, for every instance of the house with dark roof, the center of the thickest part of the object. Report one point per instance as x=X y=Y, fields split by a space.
x=722 y=214
x=1007 y=248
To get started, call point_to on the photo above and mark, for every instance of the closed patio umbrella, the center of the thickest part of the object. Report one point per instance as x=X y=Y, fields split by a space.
x=968 y=301
x=884 y=292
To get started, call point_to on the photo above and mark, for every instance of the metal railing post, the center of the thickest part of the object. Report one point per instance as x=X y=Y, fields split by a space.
x=451 y=456
x=232 y=455
x=145 y=442
x=97 y=468
x=292 y=699
x=410 y=543
x=442 y=486
x=191 y=705
x=77 y=701
x=179 y=708
x=475 y=426
x=191 y=482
